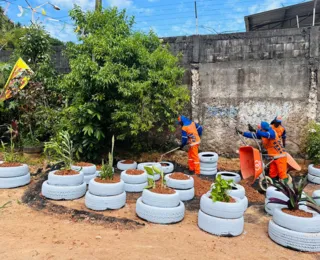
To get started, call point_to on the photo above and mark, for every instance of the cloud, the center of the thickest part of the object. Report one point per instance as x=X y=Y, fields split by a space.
x=188 y=28
x=57 y=30
x=120 y=3
x=265 y=6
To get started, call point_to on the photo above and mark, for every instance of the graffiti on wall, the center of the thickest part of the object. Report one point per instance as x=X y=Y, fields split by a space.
x=223 y=112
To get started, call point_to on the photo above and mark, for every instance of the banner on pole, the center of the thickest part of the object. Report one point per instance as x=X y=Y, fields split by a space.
x=18 y=79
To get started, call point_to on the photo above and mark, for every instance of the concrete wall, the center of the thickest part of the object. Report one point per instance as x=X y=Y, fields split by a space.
x=243 y=78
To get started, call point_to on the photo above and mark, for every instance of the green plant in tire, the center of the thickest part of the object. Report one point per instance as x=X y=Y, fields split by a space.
x=106 y=169
x=220 y=188
x=8 y=154
x=294 y=193
x=151 y=171
x=61 y=149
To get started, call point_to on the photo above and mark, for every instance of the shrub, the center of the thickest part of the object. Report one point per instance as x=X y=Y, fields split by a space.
x=220 y=188
x=313 y=142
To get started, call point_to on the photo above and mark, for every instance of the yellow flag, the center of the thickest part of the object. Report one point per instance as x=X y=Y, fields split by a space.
x=18 y=79
x=43 y=12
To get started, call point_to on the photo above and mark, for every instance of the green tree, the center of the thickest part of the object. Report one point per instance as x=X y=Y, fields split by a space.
x=121 y=81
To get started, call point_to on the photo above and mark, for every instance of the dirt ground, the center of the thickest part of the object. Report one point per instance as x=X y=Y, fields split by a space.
x=47 y=230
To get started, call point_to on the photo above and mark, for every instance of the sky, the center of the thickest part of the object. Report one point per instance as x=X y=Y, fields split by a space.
x=165 y=17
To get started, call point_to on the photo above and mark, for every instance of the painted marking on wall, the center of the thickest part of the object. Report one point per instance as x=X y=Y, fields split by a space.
x=227 y=112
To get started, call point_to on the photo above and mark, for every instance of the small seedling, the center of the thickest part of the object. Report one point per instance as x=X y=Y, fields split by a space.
x=5 y=205
x=294 y=194
x=151 y=171
x=9 y=154
x=220 y=188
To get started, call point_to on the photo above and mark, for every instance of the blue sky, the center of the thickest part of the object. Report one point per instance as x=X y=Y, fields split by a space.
x=165 y=17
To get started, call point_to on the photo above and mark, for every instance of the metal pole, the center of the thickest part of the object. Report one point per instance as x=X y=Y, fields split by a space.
x=314 y=12
x=196 y=15
x=298 y=21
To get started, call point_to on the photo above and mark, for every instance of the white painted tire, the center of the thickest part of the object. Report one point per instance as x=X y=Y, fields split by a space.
x=238 y=191
x=221 y=209
x=9 y=172
x=208 y=159
x=186 y=195
x=160 y=200
x=316 y=193
x=313 y=179
x=270 y=207
x=88 y=178
x=63 y=192
x=65 y=180
x=245 y=203
x=313 y=171
x=307 y=242
x=14 y=182
x=156 y=177
x=87 y=170
x=179 y=184
x=208 y=166
x=214 y=169
x=160 y=215
x=134 y=179
x=272 y=192
x=135 y=187
x=142 y=165
x=169 y=168
x=104 y=203
x=299 y=224
x=123 y=167
x=106 y=189
x=230 y=176
x=220 y=226
x=208 y=173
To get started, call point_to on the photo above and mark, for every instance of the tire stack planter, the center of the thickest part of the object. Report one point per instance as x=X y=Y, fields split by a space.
x=64 y=187
x=126 y=165
x=184 y=185
x=150 y=164
x=208 y=163
x=167 y=167
x=295 y=232
x=160 y=208
x=89 y=170
x=134 y=180
x=14 y=176
x=272 y=192
x=313 y=174
x=230 y=176
x=221 y=218
x=103 y=196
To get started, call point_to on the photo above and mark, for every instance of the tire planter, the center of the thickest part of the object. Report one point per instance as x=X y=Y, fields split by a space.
x=179 y=184
x=104 y=203
x=208 y=166
x=316 y=193
x=208 y=157
x=313 y=171
x=8 y=172
x=313 y=179
x=238 y=191
x=134 y=179
x=220 y=226
x=106 y=189
x=87 y=170
x=125 y=166
x=135 y=187
x=160 y=200
x=230 y=176
x=302 y=241
x=298 y=224
x=65 y=180
x=270 y=207
x=208 y=172
x=160 y=215
x=103 y=196
x=272 y=192
x=14 y=182
x=169 y=168
x=221 y=209
x=186 y=195
x=63 y=192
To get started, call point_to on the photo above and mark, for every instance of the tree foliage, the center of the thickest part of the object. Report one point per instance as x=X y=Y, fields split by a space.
x=121 y=81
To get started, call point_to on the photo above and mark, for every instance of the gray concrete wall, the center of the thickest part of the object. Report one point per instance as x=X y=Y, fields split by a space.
x=243 y=78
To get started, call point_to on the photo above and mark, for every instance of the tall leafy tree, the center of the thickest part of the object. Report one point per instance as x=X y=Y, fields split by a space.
x=121 y=81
